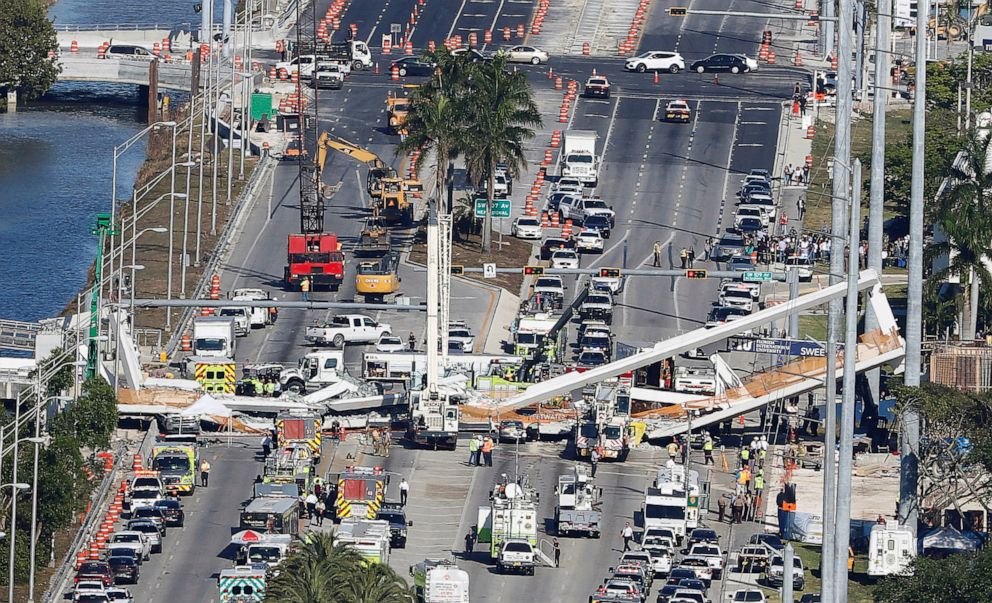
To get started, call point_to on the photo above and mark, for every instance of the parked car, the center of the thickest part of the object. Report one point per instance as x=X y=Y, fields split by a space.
x=150 y=530
x=94 y=571
x=125 y=568
x=590 y=241
x=473 y=55
x=390 y=343
x=459 y=331
x=565 y=259
x=173 y=510
x=600 y=223
x=656 y=60
x=741 y=263
x=591 y=358
x=512 y=431
x=729 y=245
x=775 y=572
x=551 y=244
x=154 y=514
x=120 y=595
x=128 y=51
x=413 y=66
x=526 y=54
x=721 y=62
x=747 y=595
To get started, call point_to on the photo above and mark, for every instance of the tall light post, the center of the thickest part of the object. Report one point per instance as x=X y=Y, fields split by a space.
x=38 y=441
x=120 y=323
x=13 y=513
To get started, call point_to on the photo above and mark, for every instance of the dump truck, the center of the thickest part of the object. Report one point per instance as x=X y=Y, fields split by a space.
x=369 y=538
x=440 y=581
x=317 y=257
x=360 y=492
x=177 y=466
x=577 y=511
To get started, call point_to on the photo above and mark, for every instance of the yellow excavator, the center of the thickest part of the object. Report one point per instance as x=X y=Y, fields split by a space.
x=378 y=278
x=391 y=195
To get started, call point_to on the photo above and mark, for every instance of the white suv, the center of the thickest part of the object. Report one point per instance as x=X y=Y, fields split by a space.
x=656 y=60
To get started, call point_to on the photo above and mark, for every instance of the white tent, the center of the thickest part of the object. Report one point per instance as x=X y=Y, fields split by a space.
x=207 y=405
x=947 y=540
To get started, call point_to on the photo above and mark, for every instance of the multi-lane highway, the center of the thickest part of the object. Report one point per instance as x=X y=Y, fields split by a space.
x=668 y=182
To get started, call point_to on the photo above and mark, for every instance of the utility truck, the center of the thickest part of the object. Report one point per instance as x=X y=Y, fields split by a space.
x=672 y=502
x=315 y=370
x=260 y=317
x=509 y=525
x=578 y=157
x=214 y=336
x=577 y=511
x=440 y=581
x=433 y=420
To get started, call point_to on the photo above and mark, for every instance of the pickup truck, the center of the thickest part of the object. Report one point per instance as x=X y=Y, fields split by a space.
x=662 y=552
x=328 y=75
x=550 y=284
x=344 y=329
x=712 y=554
x=242 y=319
x=135 y=541
x=578 y=209
x=517 y=555
x=597 y=305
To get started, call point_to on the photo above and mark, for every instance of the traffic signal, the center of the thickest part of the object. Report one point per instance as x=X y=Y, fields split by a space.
x=678 y=11
x=609 y=272
x=457 y=269
x=695 y=274
x=534 y=270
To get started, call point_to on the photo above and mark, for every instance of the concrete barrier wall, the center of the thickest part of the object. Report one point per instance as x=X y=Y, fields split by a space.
x=93 y=69
x=93 y=38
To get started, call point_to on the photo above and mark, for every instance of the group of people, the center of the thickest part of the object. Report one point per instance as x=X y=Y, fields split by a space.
x=261 y=386
x=480 y=451
x=795 y=175
x=380 y=439
x=742 y=506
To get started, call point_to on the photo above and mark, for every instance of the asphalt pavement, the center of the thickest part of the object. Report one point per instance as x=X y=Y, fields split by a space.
x=673 y=183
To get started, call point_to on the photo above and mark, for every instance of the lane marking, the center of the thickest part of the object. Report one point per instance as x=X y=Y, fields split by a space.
x=457 y=15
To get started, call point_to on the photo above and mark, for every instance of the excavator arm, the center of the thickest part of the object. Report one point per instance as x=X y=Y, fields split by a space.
x=378 y=169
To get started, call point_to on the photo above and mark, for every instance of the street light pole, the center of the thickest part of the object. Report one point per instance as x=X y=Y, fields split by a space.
x=34 y=490
x=909 y=470
x=172 y=219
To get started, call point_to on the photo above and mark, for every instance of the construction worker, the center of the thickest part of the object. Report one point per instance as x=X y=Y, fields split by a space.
x=684 y=257
x=404 y=491
x=673 y=449
x=204 y=473
x=708 y=450
x=473 y=451
x=270 y=387
x=657 y=254
x=305 y=288
x=487 y=451
x=745 y=456
x=759 y=488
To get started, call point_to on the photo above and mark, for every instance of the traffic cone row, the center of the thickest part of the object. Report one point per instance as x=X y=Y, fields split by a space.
x=539 y=15
x=555 y=139
x=94 y=549
x=101 y=51
x=331 y=21
x=628 y=44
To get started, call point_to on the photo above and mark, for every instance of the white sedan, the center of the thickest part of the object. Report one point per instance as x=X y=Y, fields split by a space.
x=656 y=60
x=565 y=259
x=390 y=343
x=526 y=227
x=589 y=241
x=526 y=54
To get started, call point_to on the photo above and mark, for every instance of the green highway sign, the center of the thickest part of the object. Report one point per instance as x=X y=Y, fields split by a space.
x=757 y=277
x=500 y=208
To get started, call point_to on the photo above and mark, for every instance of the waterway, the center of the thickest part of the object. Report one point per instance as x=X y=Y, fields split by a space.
x=56 y=163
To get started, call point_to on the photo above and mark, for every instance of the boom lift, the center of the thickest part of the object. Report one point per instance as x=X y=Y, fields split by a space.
x=391 y=199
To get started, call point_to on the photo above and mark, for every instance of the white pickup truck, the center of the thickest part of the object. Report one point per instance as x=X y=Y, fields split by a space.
x=580 y=208
x=517 y=555
x=346 y=328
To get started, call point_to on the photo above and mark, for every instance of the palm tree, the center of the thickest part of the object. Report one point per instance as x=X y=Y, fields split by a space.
x=375 y=583
x=434 y=127
x=315 y=573
x=500 y=114
x=964 y=214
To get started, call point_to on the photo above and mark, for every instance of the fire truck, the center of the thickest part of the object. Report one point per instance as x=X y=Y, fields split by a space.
x=360 y=492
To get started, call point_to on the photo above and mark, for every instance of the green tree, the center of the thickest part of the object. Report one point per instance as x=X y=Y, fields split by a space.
x=434 y=126
x=375 y=583
x=26 y=38
x=962 y=577
x=501 y=114
x=315 y=573
x=943 y=79
x=92 y=418
x=964 y=214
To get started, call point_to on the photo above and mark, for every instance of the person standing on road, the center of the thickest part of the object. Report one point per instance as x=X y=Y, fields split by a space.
x=802 y=105
x=204 y=473
x=473 y=451
x=305 y=288
x=594 y=460
x=708 y=450
x=311 y=503
x=707 y=249
x=320 y=508
x=745 y=455
x=721 y=504
x=738 y=507
x=469 y=544
x=684 y=257
x=657 y=254
x=487 y=451
x=266 y=446
x=759 y=488
x=673 y=449
x=692 y=256
x=404 y=491
x=412 y=341
x=554 y=542
x=627 y=534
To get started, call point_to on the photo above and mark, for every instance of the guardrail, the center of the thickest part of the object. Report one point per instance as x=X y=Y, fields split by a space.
x=121 y=27
x=98 y=501
x=263 y=167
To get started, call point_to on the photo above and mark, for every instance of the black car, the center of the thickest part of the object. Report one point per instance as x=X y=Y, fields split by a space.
x=154 y=514
x=666 y=592
x=598 y=222
x=398 y=524
x=473 y=55
x=173 y=510
x=125 y=568
x=702 y=535
x=693 y=584
x=678 y=574
x=754 y=187
x=552 y=244
x=720 y=62
x=751 y=225
x=411 y=65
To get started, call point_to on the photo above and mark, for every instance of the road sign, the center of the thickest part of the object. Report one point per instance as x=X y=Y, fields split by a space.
x=757 y=277
x=781 y=347
x=678 y=11
x=489 y=271
x=395 y=28
x=500 y=208
x=457 y=269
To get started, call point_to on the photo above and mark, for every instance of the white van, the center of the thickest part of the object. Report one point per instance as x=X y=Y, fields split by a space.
x=803 y=265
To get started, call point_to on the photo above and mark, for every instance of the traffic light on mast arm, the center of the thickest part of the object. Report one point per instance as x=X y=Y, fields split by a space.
x=534 y=270
x=456 y=269
x=678 y=11
x=695 y=274
x=609 y=272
